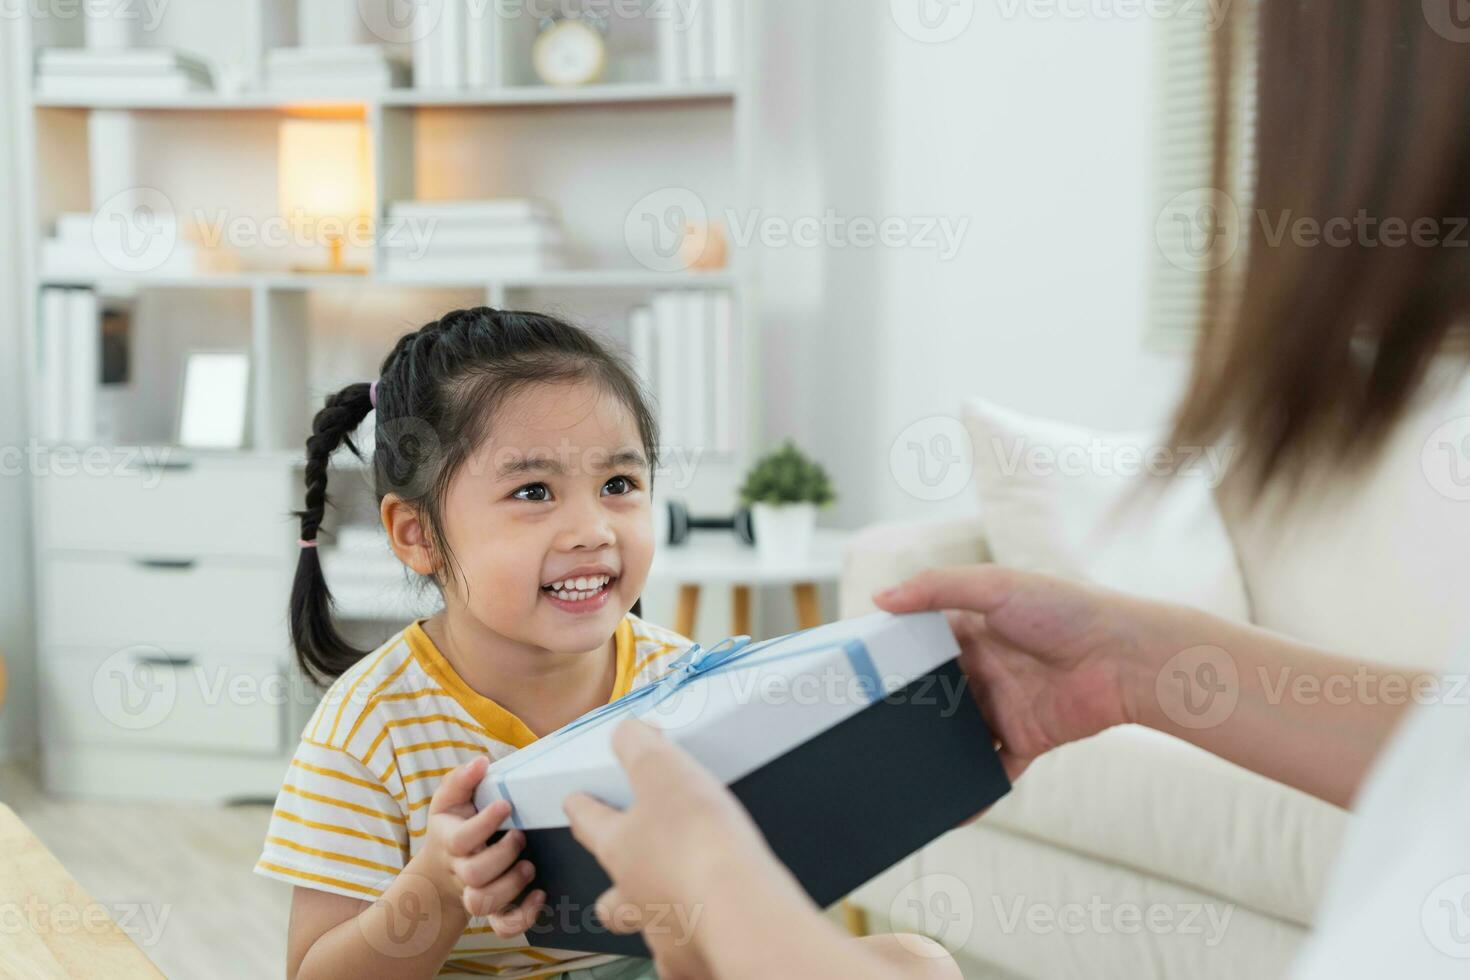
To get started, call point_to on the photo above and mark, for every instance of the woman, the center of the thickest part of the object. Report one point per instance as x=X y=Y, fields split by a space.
x=1364 y=118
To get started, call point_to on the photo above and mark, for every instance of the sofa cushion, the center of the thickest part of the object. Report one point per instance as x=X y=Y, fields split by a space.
x=1135 y=797
x=1376 y=567
x=1071 y=501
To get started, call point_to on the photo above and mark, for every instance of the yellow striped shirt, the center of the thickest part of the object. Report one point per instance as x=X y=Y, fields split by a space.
x=354 y=805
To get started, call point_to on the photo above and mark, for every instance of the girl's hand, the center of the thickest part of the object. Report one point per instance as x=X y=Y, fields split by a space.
x=482 y=878
x=1050 y=661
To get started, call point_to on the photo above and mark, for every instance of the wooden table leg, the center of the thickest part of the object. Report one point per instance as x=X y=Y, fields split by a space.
x=688 y=610
x=808 y=608
x=739 y=610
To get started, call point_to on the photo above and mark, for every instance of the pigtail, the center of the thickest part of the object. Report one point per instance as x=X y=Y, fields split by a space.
x=321 y=651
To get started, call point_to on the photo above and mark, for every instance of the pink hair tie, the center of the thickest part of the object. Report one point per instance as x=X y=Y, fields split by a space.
x=373 y=394
x=305 y=544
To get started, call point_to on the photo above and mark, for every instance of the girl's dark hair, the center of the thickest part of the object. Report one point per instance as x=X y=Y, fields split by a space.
x=1313 y=353
x=436 y=393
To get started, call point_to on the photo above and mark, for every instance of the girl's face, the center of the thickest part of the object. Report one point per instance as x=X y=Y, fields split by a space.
x=550 y=520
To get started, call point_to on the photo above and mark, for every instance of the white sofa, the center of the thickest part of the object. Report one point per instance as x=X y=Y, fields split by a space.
x=1135 y=855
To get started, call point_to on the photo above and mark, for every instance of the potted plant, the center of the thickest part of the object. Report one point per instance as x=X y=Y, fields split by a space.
x=783 y=491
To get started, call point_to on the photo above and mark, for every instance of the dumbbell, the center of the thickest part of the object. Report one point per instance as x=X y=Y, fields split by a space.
x=681 y=522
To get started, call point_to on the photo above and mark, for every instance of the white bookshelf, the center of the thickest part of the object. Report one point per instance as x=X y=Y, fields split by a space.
x=593 y=151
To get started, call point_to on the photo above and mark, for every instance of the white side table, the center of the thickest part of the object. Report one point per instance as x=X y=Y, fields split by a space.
x=718 y=558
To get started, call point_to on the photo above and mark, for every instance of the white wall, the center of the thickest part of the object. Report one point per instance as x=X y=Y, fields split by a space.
x=1037 y=131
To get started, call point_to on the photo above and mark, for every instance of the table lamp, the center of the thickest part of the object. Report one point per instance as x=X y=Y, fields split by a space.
x=325 y=179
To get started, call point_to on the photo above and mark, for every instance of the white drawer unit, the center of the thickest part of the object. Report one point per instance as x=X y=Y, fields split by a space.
x=144 y=696
x=173 y=506
x=166 y=667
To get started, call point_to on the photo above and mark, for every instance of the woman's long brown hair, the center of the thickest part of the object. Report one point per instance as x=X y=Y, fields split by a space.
x=1314 y=351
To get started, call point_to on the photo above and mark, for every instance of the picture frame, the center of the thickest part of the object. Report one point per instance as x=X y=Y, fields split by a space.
x=214 y=399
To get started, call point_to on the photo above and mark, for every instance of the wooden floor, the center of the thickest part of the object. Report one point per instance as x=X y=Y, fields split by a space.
x=176 y=877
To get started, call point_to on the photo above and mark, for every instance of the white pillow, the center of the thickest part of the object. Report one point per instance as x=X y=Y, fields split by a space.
x=1064 y=500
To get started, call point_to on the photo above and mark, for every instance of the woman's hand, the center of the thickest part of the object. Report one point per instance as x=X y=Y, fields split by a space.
x=1050 y=661
x=685 y=859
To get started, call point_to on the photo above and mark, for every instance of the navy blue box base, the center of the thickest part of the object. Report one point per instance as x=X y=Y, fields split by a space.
x=837 y=810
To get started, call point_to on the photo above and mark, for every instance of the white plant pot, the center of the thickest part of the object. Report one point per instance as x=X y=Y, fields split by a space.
x=783 y=532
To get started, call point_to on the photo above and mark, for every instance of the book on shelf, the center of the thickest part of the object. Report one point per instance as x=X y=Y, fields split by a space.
x=449 y=43
x=70 y=358
x=141 y=73
x=401 y=266
x=475 y=211
x=345 y=68
x=683 y=346
x=80 y=248
x=700 y=43
x=436 y=235
x=479 y=46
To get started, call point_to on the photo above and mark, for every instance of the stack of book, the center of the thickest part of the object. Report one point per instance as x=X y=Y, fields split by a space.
x=459 y=51
x=700 y=43
x=683 y=347
x=346 y=70
x=119 y=242
x=119 y=73
x=489 y=239
x=69 y=368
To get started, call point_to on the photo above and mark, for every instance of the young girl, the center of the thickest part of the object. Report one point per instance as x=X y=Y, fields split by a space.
x=513 y=461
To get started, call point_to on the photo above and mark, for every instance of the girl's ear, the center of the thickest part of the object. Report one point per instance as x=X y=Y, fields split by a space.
x=407 y=535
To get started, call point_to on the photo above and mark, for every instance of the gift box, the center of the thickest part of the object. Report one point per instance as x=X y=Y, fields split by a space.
x=851 y=744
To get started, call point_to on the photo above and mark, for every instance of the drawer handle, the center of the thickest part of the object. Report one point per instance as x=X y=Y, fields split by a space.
x=167 y=564
x=165 y=659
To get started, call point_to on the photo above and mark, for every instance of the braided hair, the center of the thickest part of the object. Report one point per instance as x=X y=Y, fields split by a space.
x=437 y=391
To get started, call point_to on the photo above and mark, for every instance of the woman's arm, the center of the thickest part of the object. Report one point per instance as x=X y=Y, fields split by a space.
x=1053 y=661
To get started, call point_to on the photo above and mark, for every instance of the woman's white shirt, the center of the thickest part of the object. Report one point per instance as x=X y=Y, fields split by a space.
x=1398 y=901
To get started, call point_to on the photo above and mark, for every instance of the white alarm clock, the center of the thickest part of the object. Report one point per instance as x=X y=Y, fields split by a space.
x=571 y=50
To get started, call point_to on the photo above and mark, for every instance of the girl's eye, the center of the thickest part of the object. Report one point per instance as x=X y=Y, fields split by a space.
x=539 y=492
x=626 y=483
